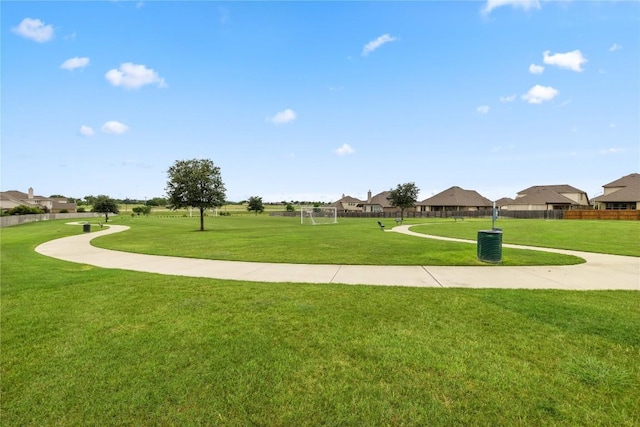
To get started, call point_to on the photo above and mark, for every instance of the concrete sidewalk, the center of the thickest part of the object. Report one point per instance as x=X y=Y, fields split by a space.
x=599 y=273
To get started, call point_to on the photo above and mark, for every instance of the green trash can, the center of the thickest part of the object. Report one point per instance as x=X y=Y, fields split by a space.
x=490 y=245
x=86 y=227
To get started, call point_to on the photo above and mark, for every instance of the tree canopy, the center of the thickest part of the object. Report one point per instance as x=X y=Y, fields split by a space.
x=404 y=196
x=255 y=204
x=106 y=205
x=195 y=183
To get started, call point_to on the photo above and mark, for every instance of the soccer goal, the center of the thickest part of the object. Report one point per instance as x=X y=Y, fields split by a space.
x=318 y=215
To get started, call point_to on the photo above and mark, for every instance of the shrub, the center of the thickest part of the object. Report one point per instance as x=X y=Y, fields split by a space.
x=24 y=210
x=81 y=210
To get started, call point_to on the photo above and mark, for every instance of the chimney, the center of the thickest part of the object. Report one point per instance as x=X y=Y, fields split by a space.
x=369 y=197
x=31 y=192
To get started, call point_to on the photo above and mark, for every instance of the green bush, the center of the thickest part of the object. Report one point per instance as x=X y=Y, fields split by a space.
x=81 y=210
x=24 y=210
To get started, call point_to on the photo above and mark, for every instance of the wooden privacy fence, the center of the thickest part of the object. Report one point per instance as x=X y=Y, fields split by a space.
x=602 y=214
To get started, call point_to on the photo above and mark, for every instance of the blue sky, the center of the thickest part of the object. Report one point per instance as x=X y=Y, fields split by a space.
x=312 y=100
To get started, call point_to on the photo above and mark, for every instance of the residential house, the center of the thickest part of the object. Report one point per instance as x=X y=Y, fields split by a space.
x=347 y=204
x=13 y=198
x=378 y=203
x=621 y=194
x=454 y=199
x=503 y=203
x=549 y=197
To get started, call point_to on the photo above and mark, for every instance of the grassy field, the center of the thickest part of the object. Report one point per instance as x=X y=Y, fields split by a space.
x=611 y=237
x=90 y=346
x=279 y=239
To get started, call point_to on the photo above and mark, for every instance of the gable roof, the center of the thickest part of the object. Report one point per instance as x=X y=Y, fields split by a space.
x=541 y=195
x=456 y=196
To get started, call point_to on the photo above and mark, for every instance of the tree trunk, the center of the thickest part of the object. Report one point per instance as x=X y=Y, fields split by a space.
x=201 y=219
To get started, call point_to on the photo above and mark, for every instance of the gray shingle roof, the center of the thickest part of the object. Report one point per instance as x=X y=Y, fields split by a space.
x=348 y=199
x=456 y=196
x=629 y=190
x=563 y=188
x=631 y=180
x=381 y=199
x=504 y=201
x=542 y=196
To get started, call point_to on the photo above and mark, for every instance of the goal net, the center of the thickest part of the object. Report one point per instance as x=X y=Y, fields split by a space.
x=318 y=215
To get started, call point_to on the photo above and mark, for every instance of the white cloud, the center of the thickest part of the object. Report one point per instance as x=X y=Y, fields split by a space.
x=536 y=69
x=375 y=44
x=133 y=76
x=509 y=98
x=539 y=94
x=571 y=60
x=615 y=47
x=34 y=29
x=344 y=150
x=611 y=151
x=73 y=63
x=523 y=4
x=282 y=117
x=114 y=127
x=483 y=109
x=86 y=131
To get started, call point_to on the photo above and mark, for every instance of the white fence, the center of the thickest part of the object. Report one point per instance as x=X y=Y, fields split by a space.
x=8 y=221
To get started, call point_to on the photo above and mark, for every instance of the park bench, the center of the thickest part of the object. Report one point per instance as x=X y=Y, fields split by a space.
x=381 y=225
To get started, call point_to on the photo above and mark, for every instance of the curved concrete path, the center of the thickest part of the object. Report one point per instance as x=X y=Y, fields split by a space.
x=599 y=273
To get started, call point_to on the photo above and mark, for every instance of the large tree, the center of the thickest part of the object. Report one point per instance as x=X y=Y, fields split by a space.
x=195 y=183
x=404 y=196
x=106 y=205
x=255 y=204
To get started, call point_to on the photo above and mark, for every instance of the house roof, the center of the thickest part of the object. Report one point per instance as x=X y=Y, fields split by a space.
x=456 y=196
x=504 y=201
x=629 y=190
x=631 y=180
x=23 y=198
x=348 y=199
x=563 y=188
x=381 y=199
x=541 y=196
x=626 y=194
x=13 y=194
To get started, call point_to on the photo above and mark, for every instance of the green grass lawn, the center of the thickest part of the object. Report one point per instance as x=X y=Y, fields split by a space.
x=278 y=239
x=89 y=346
x=610 y=237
